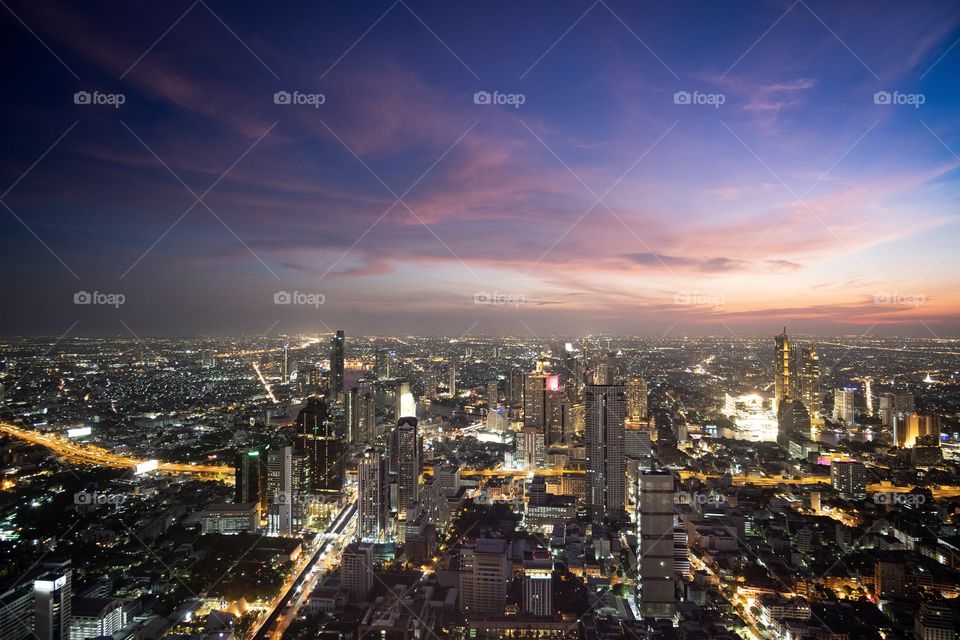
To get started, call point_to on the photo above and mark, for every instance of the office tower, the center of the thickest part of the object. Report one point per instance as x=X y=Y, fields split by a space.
x=783 y=382
x=606 y=408
x=868 y=394
x=918 y=426
x=286 y=363
x=792 y=420
x=514 y=386
x=636 y=399
x=559 y=418
x=251 y=478
x=97 y=617
x=493 y=394
x=843 y=405
x=373 y=496
x=537 y=387
x=530 y=447
x=52 y=595
x=406 y=455
x=810 y=383
x=656 y=557
x=452 y=381
x=352 y=415
x=538 y=583
x=356 y=570
x=849 y=479
x=381 y=365
x=886 y=409
x=637 y=439
x=405 y=405
x=317 y=440
x=18 y=611
x=280 y=491
x=484 y=573
x=336 y=364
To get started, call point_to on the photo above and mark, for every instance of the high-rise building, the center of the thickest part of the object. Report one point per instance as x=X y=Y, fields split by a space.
x=843 y=405
x=356 y=570
x=251 y=477
x=849 y=479
x=452 y=381
x=530 y=447
x=657 y=596
x=53 y=596
x=514 y=386
x=783 y=382
x=810 y=383
x=17 y=611
x=918 y=426
x=336 y=364
x=484 y=574
x=286 y=364
x=405 y=405
x=317 y=440
x=493 y=394
x=538 y=583
x=537 y=387
x=606 y=408
x=559 y=418
x=406 y=454
x=636 y=399
x=280 y=491
x=373 y=496
x=934 y=621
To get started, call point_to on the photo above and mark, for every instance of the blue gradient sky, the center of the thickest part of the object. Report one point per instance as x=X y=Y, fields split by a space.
x=600 y=204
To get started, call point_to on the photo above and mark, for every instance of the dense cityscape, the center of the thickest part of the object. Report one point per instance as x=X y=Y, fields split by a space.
x=480 y=487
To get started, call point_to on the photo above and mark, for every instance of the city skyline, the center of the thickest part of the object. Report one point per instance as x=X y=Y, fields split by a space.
x=679 y=170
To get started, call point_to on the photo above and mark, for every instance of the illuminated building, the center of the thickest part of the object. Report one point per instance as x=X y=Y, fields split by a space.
x=935 y=621
x=606 y=408
x=810 y=383
x=843 y=405
x=286 y=364
x=538 y=583
x=53 y=595
x=336 y=364
x=373 y=496
x=405 y=406
x=751 y=414
x=636 y=399
x=537 y=386
x=530 y=447
x=452 y=381
x=918 y=426
x=493 y=395
x=656 y=596
x=251 y=477
x=849 y=479
x=484 y=574
x=406 y=461
x=280 y=491
x=783 y=382
x=559 y=418
x=316 y=439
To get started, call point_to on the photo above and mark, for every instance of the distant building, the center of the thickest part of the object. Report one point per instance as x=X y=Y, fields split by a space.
x=606 y=407
x=251 y=477
x=230 y=518
x=336 y=364
x=809 y=379
x=657 y=598
x=356 y=570
x=843 y=405
x=484 y=574
x=636 y=399
x=406 y=456
x=280 y=491
x=783 y=380
x=373 y=496
x=849 y=479
x=96 y=617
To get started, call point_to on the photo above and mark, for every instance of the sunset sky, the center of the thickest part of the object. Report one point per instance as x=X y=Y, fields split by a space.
x=599 y=204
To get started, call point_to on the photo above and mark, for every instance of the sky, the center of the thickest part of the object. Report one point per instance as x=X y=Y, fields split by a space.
x=534 y=168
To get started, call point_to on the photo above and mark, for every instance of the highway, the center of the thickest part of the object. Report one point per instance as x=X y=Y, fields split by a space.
x=91 y=454
x=286 y=606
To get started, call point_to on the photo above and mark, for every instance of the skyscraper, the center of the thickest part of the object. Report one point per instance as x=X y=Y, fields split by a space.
x=317 y=439
x=538 y=583
x=53 y=594
x=405 y=405
x=280 y=491
x=406 y=455
x=373 y=496
x=452 y=381
x=356 y=570
x=783 y=380
x=809 y=383
x=493 y=395
x=849 y=479
x=656 y=558
x=251 y=477
x=336 y=364
x=484 y=573
x=286 y=363
x=636 y=399
x=606 y=408
x=843 y=404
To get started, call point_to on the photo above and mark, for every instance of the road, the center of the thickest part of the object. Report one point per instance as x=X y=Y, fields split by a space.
x=90 y=454
x=286 y=606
